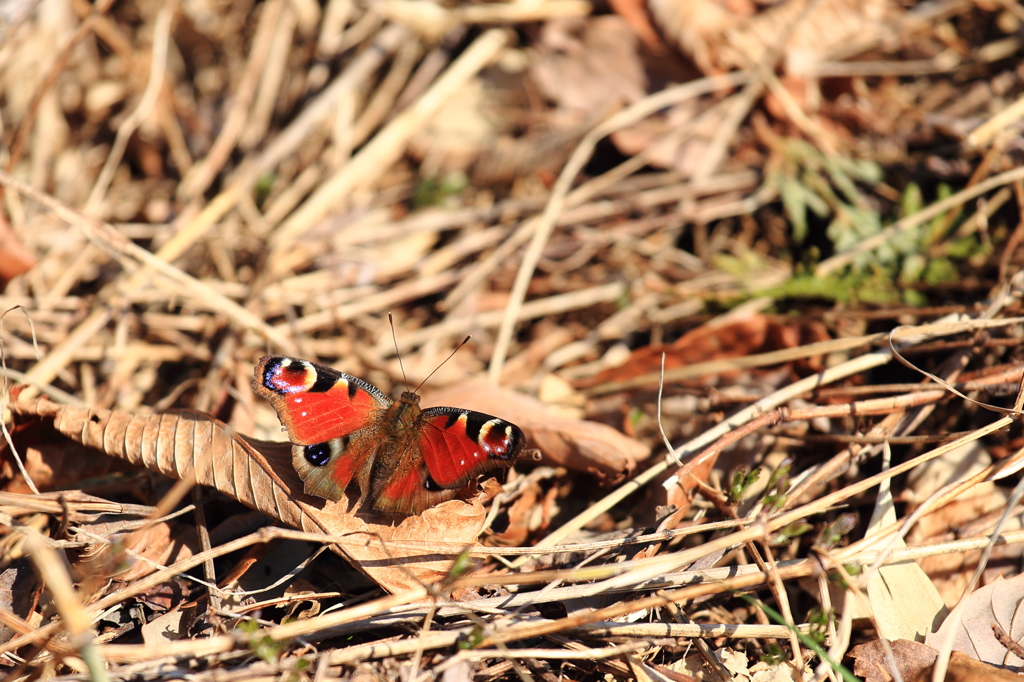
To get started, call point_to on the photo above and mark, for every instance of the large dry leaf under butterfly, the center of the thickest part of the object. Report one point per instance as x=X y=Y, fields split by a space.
x=259 y=474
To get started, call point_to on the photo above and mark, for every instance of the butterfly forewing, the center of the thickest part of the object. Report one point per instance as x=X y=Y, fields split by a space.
x=460 y=444
x=317 y=403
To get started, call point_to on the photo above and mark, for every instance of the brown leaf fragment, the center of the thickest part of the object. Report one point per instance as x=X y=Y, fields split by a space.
x=15 y=259
x=911 y=657
x=51 y=461
x=396 y=552
x=573 y=443
x=634 y=13
x=19 y=591
x=167 y=627
x=742 y=337
x=301 y=609
x=997 y=602
x=149 y=547
x=963 y=668
x=724 y=34
x=588 y=65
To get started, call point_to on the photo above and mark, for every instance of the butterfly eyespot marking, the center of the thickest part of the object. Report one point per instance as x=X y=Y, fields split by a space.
x=506 y=445
x=431 y=485
x=285 y=376
x=318 y=454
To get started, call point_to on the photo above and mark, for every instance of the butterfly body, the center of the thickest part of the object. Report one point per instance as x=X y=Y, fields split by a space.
x=403 y=458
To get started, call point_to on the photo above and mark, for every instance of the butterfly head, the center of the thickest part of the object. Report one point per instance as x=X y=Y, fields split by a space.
x=404 y=414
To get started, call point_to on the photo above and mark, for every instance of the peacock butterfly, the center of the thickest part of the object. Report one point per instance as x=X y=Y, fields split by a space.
x=403 y=458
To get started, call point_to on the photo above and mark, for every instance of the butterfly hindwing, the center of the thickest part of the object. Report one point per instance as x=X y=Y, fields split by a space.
x=452 y=447
x=408 y=489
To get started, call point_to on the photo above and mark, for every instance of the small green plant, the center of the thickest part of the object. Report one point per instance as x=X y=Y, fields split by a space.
x=462 y=565
x=296 y=674
x=433 y=191
x=793 y=530
x=473 y=639
x=778 y=485
x=819 y=620
x=774 y=655
x=809 y=180
x=742 y=480
x=829 y=187
x=807 y=641
x=840 y=578
x=635 y=415
x=265 y=648
x=264 y=184
x=833 y=533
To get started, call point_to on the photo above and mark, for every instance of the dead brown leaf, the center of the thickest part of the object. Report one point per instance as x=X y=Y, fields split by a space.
x=519 y=514
x=589 y=65
x=20 y=588
x=747 y=336
x=151 y=546
x=974 y=510
x=915 y=662
x=998 y=602
x=166 y=627
x=399 y=554
x=911 y=657
x=634 y=13
x=720 y=35
x=15 y=259
x=51 y=460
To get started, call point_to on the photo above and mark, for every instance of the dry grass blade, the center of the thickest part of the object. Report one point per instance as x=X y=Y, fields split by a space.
x=387 y=145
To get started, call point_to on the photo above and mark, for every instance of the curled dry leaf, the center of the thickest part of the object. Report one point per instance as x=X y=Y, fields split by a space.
x=725 y=34
x=748 y=335
x=916 y=663
x=572 y=443
x=397 y=555
x=999 y=603
x=871 y=664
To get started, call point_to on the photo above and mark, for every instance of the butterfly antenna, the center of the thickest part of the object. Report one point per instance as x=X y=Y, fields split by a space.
x=394 y=338
x=464 y=342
